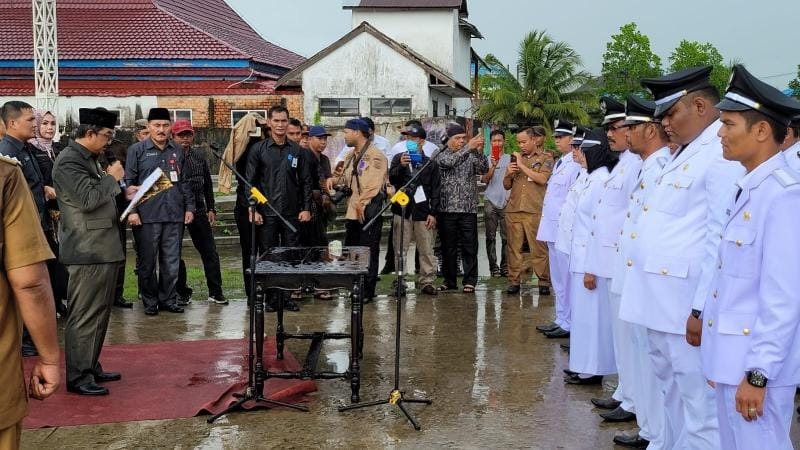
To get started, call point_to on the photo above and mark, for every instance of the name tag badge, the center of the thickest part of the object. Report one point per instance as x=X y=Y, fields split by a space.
x=419 y=195
x=173 y=176
x=294 y=162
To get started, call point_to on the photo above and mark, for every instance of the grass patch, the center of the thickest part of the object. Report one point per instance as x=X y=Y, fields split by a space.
x=232 y=283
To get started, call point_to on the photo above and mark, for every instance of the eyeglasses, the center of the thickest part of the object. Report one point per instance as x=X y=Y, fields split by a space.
x=614 y=128
x=108 y=135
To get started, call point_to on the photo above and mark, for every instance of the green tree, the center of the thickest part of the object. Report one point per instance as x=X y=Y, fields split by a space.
x=794 y=85
x=627 y=60
x=545 y=89
x=692 y=54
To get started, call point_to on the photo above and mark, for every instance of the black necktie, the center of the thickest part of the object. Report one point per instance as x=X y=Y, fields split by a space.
x=738 y=193
x=558 y=163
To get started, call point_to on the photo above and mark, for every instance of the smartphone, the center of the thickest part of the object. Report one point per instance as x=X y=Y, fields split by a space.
x=496 y=151
x=513 y=159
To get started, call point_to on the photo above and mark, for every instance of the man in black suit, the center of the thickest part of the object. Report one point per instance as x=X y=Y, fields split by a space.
x=89 y=246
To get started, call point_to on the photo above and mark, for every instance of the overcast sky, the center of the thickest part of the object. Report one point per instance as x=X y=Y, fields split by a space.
x=765 y=34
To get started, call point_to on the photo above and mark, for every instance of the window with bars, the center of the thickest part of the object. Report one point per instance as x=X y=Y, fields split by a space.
x=237 y=114
x=390 y=106
x=338 y=107
x=180 y=114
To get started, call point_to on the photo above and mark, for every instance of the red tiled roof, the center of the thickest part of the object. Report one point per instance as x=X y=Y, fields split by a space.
x=126 y=88
x=235 y=74
x=141 y=29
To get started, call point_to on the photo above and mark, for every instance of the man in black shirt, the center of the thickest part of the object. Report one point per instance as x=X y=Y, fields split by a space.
x=198 y=176
x=277 y=167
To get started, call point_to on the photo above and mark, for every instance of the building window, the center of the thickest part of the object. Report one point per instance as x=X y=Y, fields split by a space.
x=237 y=114
x=338 y=107
x=446 y=109
x=119 y=116
x=180 y=114
x=390 y=106
x=436 y=108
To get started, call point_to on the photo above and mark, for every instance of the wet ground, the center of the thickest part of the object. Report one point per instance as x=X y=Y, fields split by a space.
x=494 y=380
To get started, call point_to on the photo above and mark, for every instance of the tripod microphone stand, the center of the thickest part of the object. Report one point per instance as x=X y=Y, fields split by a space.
x=256 y=370
x=396 y=396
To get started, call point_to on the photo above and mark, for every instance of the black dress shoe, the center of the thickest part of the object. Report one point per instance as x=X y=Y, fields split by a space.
x=88 y=389
x=618 y=415
x=107 y=376
x=605 y=403
x=631 y=441
x=172 y=308
x=122 y=303
x=549 y=327
x=565 y=346
x=558 y=333
x=151 y=311
x=570 y=373
x=593 y=380
x=544 y=290
x=512 y=289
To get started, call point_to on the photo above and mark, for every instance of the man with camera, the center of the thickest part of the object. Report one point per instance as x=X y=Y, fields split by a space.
x=363 y=178
x=419 y=219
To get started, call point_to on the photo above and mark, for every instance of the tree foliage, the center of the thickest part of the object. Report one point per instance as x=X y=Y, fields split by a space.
x=628 y=59
x=692 y=54
x=545 y=90
x=794 y=85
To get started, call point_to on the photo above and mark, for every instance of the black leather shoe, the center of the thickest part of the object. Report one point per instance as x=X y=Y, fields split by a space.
x=558 y=333
x=618 y=415
x=122 y=303
x=631 y=441
x=151 y=311
x=544 y=290
x=549 y=327
x=605 y=403
x=172 y=308
x=593 y=380
x=107 y=376
x=88 y=389
x=565 y=346
x=512 y=289
x=570 y=373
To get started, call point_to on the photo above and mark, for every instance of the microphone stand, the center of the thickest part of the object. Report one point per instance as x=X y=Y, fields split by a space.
x=396 y=396
x=256 y=370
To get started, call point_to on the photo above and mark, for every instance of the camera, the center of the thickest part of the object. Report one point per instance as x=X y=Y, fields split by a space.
x=340 y=193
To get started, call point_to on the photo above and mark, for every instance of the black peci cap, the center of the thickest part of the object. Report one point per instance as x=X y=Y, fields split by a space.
x=667 y=90
x=746 y=92
x=639 y=110
x=100 y=117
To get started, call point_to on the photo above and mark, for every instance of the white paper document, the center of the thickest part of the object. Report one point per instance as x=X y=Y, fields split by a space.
x=143 y=189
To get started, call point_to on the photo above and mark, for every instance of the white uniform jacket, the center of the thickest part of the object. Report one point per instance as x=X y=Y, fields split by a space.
x=675 y=246
x=566 y=218
x=565 y=172
x=610 y=213
x=582 y=227
x=651 y=169
x=752 y=314
x=792 y=155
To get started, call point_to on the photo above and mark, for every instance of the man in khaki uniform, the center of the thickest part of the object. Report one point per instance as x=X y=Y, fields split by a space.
x=527 y=177
x=25 y=296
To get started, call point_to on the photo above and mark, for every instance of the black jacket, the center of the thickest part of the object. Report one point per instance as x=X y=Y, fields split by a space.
x=430 y=181
x=281 y=173
x=24 y=153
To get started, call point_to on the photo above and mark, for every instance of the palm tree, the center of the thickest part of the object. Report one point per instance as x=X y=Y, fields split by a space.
x=547 y=87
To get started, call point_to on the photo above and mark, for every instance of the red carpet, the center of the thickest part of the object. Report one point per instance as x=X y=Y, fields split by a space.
x=166 y=380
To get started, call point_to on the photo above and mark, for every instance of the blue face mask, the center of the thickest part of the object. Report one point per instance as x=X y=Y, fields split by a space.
x=412 y=146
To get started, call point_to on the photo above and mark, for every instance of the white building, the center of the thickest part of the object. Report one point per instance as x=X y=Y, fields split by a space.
x=403 y=59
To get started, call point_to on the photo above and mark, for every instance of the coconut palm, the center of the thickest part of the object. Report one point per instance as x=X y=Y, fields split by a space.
x=546 y=87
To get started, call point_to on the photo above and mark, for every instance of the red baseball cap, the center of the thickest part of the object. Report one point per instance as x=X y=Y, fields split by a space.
x=181 y=126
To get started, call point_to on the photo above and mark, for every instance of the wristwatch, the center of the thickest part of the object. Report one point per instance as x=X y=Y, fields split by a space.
x=696 y=313
x=756 y=378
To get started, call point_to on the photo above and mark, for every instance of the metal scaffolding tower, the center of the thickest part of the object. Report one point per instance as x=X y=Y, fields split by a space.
x=45 y=54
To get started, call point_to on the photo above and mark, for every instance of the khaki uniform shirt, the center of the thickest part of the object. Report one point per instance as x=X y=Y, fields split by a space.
x=526 y=195
x=22 y=243
x=372 y=172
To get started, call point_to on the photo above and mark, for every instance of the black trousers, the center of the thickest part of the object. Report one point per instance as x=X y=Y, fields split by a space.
x=371 y=238
x=459 y=231
x=203 y=239
x=388 y=265
x=59 y=277
x=119 y=287
x=159 y=245
x=274 y=233
x=244 y=227
x=312 y=234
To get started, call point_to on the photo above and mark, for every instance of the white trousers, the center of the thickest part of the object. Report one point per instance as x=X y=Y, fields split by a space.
x=559 y=278
x=623 y=353
x=591 y=346
x=688 y=401
x=770 y=431
x=647 y=396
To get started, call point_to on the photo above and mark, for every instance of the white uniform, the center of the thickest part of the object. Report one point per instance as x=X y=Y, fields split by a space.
x=609 y=213
x=671 y=264
x=648 y=399
x=565 y=173
x=752 y=314
x=563 y=247
x=591 y=348
x=792 y=156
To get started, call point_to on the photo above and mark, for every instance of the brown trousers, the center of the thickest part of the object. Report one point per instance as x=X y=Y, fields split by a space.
x=10 y=437
x=519 y=227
